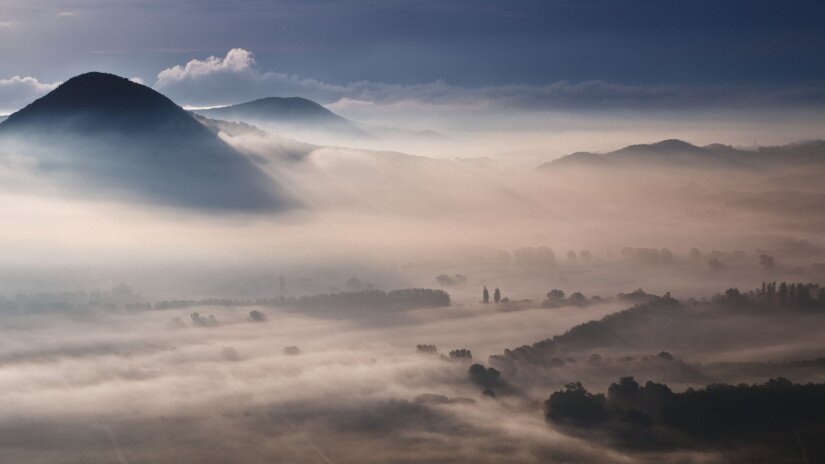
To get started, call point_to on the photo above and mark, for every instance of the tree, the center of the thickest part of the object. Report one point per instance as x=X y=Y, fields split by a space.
x=462 y=353
x=624 y=394
x=256 y=316
x=577 y=298
x=485 y=295
x=555 y=295
x=782 y=294
x=485 y=377
x=575 y=405
x=429 y=349
x=497 y=295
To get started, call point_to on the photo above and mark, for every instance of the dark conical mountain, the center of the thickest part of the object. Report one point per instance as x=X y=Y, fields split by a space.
x=98 y=102
x=106 y=131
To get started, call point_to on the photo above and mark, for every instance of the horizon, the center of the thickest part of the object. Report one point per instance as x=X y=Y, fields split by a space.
x=752 y=146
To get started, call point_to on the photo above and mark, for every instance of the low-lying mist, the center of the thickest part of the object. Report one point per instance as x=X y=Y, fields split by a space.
x=142 y=332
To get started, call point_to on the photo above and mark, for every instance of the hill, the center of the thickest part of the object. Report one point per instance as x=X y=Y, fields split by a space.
x=103 y=131
x=289 y=111
x=678 y=153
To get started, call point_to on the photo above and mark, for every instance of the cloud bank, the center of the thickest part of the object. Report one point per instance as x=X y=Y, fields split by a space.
x=236 y=77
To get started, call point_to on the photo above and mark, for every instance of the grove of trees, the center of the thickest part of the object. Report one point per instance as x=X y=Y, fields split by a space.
x=706 y=411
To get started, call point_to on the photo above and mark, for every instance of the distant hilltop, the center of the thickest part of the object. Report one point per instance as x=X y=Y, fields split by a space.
x=678 y=153
x=284 y=111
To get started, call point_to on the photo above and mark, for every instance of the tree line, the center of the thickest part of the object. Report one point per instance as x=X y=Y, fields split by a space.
x=707 y=411
x=367 y=299
x=773 y=295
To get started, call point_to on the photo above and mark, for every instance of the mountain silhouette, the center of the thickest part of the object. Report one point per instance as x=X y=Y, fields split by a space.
x=678 y=153
x=105 y=131
x=287 y=111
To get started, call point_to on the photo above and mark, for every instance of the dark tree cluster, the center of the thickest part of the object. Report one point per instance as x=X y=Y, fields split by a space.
x=426 y=349
x=556 y=298
x=576 y=406
x=485 y=377
x=461 y=353
x=771 y=295
x=638 y=296
x=256 y=316
x=708 y=412
x=640 y=400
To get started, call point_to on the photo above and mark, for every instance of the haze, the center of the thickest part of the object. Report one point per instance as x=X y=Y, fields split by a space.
x=251 y=232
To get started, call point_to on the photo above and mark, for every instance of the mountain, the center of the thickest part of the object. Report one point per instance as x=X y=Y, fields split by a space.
x=678 y=153
x=104 y=131
x=296 y=116
x=288 y=111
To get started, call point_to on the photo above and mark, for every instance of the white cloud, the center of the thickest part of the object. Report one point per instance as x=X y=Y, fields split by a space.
x=7 y=24
x=137 y=80
x=236 y=61
x=16 y=92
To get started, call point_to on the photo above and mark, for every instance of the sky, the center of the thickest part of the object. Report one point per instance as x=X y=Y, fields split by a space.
x=547 y=54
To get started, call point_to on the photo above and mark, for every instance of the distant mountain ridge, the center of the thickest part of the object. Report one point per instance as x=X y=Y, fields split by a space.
x=678 y=153
x=288 y=108
x=289 y=111
x=107 y=131
x=296 y=114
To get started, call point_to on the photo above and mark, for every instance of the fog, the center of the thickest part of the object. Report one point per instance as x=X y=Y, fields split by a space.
x=91 y=368
x=400 y=220
x=172 y=394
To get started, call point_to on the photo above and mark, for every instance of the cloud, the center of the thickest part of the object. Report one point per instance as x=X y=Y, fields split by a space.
x=236 y=77
x=17 y=91
x=236 y=60
x=7 y=24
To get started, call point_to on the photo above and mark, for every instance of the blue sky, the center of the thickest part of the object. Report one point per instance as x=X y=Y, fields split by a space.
x=747 y=45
